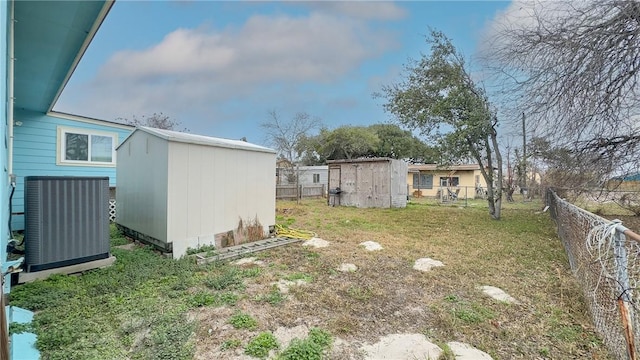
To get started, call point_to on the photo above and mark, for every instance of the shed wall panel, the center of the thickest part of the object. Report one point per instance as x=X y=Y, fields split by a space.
x=399 y=170
x=142 y=185
x=213 y=188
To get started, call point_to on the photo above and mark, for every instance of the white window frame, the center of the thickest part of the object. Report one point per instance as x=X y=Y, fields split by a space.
x=316 y=176
x=61 y=151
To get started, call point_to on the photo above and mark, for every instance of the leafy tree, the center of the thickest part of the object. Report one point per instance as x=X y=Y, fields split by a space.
x=439 y=97
x=397 y=143
x=350 y=142
x=156 y=120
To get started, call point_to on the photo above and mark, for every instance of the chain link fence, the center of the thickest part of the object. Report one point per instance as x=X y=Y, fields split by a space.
x=605 y=259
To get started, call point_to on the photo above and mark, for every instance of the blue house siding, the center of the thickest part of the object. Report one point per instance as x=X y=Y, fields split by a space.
x=4 y=181
x=35 y=152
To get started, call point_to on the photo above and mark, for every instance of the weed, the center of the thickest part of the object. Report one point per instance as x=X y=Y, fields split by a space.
x=472 y=313
x=230 y=344
x=359 y=293
x=274 y=297
x=18 y=328
x=251 y=272
x=210 y=250
x=203 y=298
x=229 y=278
x=447 y=353
x=310 y=348
x=261 y=345
x=299 y=276
x=243 y=321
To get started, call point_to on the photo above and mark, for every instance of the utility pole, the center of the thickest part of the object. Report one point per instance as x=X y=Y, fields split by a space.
x=524 y=153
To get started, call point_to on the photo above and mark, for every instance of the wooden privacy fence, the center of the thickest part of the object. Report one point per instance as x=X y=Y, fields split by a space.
x=292 y=192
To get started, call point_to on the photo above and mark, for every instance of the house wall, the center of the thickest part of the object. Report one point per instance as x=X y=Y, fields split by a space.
x=35 y=153
x=142 y=185
x=306 y=175
x=467 y=179
x=4 y=182
x=212 y=188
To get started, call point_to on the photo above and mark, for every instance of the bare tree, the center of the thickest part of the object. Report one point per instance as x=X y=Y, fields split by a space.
x=285 y=135
x=156 y=120
x=574 y=69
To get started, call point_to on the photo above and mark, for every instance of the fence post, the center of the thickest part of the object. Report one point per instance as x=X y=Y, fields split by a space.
x=622 y=278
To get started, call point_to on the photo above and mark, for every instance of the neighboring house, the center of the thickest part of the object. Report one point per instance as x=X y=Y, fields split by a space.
x=307 y=175
x=56 y=144
x=41 y=45
x=431 y=180
x=368 y=182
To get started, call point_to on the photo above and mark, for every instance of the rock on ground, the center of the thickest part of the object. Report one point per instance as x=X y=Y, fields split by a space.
x=426 y=264
x=347 y=268
x=498 y=294
x=371 y=245
x=464 y=351
x=402 y=347
x=316 y=243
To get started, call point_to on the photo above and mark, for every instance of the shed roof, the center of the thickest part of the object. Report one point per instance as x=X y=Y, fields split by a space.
x=436 y=167
x=360 y=160
x=177 y=136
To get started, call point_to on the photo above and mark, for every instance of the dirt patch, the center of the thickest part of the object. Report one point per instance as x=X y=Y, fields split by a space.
x=284 y=285
x=247 y=261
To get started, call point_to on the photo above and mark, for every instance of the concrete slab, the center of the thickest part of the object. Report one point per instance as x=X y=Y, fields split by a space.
x=498 y=294
x=316 y=243
x=402 y=347
x=426 y=264
x=371 y=246
x=24 y=277
x=464 y=351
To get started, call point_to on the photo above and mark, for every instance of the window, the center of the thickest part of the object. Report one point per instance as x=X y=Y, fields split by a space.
x=86 y=147
x=316 y=178
x=450 y=181
x=422 y=181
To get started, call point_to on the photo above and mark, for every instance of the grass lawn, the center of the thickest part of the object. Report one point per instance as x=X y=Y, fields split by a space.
x=148 y=307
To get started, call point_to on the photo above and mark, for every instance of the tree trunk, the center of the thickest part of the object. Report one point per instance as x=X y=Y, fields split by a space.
x=496 y=150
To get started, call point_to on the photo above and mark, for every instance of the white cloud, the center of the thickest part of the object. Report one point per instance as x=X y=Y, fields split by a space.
x=364 y=9
x=193 y=70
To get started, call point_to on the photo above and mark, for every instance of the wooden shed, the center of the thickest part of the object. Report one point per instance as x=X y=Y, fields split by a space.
x=179 y=191
x=368 y=182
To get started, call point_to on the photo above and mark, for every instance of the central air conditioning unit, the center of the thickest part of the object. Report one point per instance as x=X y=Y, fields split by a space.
x=66 y=221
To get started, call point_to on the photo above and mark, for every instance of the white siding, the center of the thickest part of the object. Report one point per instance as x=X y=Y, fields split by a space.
x=212 y=188
x=206 y=190
x=142 y=189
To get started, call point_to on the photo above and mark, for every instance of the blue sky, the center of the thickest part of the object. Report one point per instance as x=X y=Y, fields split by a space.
x=219 y=67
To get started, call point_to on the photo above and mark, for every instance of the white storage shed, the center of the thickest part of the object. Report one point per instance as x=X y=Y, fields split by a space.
x=178 y=191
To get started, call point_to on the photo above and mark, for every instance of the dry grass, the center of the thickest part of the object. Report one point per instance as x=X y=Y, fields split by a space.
x=520 y=254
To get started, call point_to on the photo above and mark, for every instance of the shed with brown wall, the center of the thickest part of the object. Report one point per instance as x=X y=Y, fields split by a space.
x=370 y=182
